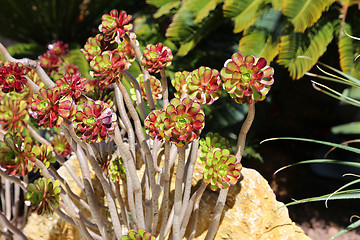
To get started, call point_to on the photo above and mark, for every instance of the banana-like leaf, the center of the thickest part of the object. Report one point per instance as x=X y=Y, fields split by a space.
x=158 y=3
x=166 y=8
x=304 y=13
x=348 y=50
x=194 y=20
x=348 y=128
x=312 y=44
x=259 y=43
x=245 y=12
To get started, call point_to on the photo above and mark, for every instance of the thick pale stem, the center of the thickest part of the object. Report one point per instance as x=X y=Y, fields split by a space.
x=244 y=130
x=166 y=185
x=11 y=227
x=214 y=224
x=178 y=194
x=198 y=196
x=165 y=89
x=144 y=146
x=13 y=179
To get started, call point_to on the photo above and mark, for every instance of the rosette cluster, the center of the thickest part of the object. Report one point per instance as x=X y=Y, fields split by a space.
x=180 y=122
x=115 y=24
x=16 y=155
x=13 y=114
x=202 y=85
x=72 y=85
x=12 y=77
x=94 y=121
x=116 y=170
x=43 y=196
x=61 y=145
x=220 y=167
x=49 y=108
x=110 y=53
x=247 y=78
x=156 y=57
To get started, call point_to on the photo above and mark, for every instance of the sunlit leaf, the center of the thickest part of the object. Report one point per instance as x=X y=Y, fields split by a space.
x=304 y=13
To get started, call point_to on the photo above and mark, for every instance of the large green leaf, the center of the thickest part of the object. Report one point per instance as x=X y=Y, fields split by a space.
x=76 y=57
x=194 y=20
x=312 y=44
x=259 y=43
x=304 y=13
x=348 y=50
x=245 y=12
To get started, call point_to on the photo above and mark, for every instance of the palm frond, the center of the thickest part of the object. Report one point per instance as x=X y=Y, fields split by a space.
x=245 y=12
x=312 y=44
x=166 y=8
x=304 y=13
x=158 y=3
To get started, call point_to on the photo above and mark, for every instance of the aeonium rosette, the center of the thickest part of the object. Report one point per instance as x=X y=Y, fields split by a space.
x=108 y=66
x=115 y=25
x=43 y=196
x=49 y=108
x=204 y=85
x=94 y=121
x=13 y=114
x=179 y=83
x=139 y=234
x=180 y=122
x=247 y=79
x=16 y=155
x=12 y=77
x=72 y=85
x=221 y=169
x=156 y=57
x=61 y=145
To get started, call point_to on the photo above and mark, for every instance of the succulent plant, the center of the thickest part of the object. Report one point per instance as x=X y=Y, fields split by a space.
x=221 y=169
x=151 y=125
x=50 y=62
x=94 y=121
x=179 y=83
x=61 y=145
x=247 y=79
x=181 y=121
x=115 y=25
x=212 y=141
x=108 y=66
x=43 y=196
x=72 y=85
x=59 y=48
x=49 y=109
x=44 y=153
x=13 y=114
x=156 y=57
x=16 y=156
x=124 y=46
x=93 y=47
x=204 y=85
x=140 y=234
x=71 y=69
x=116 y=170
x=155 y=84
x=12 y=77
